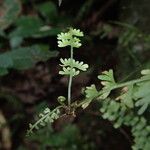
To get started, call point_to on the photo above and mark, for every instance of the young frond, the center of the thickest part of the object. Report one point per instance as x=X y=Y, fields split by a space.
x=47 y=116
x=68 y=71
x=75 y=64
x=76 y=32
x=70 y=38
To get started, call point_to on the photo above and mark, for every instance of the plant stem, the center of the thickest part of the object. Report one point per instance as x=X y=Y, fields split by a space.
x=130 y=82
x=70 y=79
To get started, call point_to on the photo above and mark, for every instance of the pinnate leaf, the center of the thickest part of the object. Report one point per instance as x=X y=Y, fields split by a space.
x=108 y=81
x=142 y=94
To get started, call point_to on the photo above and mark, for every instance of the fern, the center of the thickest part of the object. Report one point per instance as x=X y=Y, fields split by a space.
x=70 y=67
x=121 y=110
x=90 y=93
x=47 y=116
x=125 y=109
x=142 y=94
x=121 y=115
x=75 y=64
x=108 y=81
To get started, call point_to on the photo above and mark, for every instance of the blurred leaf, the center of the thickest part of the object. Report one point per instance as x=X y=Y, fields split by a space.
x=9 y=10
x=16 y=42
x=68 y=138
x=26 y=26
x=24 y=58
x=32 y=26
x=84 y=10
x=142 y=94
x=48 y=10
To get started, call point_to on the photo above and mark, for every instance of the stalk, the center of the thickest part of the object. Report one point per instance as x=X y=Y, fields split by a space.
x=70 y=79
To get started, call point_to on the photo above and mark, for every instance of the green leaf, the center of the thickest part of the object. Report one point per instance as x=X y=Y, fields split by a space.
x=32 y=26
x=75 y=64
x=47 y=116
x=15 y=41
x=127 y=97
x=90 y=93
x=72 y=67
x=70 y=38
x=5 y=60
x=69 y=71
x=142 y=93
x=9 y=10
x=24 y=58
x=27 y=26
x=48 y=10
x=108 y=81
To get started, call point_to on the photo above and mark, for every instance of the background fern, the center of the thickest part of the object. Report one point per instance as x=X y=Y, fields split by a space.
x=124 y=109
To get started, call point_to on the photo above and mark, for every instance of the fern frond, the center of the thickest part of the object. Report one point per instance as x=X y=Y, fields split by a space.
x=75 y=64
x=142 y=93
x=76 y=32
x=68 y=71
x=70 y=38
x=121 y=115
x=108 y=81
x=91 y=92
x=47 y=116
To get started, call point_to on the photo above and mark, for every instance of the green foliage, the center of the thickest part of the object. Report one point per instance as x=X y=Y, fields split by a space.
x=90 y=93
x=121 y=115
x=142 y=94
x=49 y=11
x=72 y=67
x=22 y=28
x=108 y=82
x=135 y=90
x=32 y=26
x=47 y=116
x=70 y=137
x=127 y=108
x=69 y=38
x=23 y=58
x=132 y=46
x=9 y=14
x=121 y=110
x=127 y=96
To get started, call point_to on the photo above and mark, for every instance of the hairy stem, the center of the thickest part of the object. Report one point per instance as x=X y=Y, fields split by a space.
x=70 y=79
